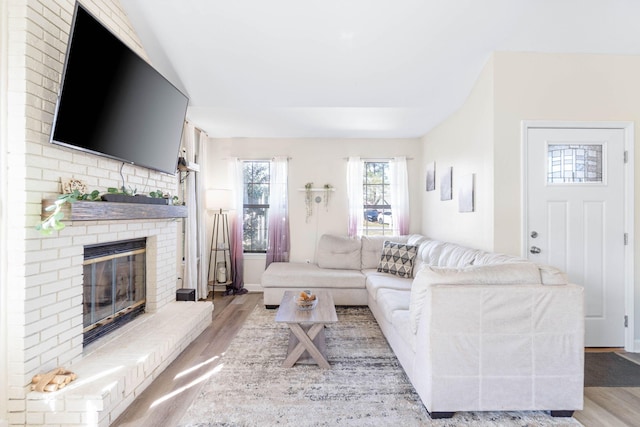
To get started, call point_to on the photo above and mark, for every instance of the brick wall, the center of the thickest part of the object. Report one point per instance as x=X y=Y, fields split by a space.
x=44 y=274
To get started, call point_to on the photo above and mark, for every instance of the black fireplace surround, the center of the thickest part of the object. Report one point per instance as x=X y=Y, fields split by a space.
x=114 y=286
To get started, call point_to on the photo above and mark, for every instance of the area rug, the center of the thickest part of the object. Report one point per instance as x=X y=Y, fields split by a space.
x=365 y=386
x=610 y=369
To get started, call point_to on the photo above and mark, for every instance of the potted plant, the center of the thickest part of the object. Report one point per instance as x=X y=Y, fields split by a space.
x=308 y=199
x=54 y=221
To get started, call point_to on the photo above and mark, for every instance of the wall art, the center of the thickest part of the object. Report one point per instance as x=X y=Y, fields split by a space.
x=466 y=196
x=446 y=178
x=431 y=176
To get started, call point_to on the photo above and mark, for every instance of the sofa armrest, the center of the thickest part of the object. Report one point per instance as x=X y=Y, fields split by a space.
x=486 y=347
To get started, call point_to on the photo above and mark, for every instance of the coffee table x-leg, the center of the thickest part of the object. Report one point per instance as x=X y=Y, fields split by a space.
x=306 y=342
x=306 y=328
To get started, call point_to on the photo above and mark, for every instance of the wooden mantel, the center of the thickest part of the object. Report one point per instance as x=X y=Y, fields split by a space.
x=110 y=211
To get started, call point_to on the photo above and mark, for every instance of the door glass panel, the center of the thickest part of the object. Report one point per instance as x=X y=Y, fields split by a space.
x=574 y=163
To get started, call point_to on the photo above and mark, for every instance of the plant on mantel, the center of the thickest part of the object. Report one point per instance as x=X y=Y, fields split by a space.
x=54 y=221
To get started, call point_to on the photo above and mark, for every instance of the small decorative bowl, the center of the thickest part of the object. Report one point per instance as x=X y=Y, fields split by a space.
x=306 y=301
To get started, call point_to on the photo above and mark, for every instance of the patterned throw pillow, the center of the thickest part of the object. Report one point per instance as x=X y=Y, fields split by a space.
x=397 y=258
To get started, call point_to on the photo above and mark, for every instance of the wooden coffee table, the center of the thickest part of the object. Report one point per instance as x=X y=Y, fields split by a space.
x=306 y=328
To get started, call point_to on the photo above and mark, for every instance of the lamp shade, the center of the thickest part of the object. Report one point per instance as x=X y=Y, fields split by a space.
x=218 y=199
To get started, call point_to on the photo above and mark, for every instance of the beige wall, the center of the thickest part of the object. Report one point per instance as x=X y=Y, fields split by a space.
x=512 y=88
x=465 y=142
x=558 y=87
x=321 y=161
x=552 y=87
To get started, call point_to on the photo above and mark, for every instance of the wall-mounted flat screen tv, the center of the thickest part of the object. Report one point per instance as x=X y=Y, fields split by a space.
x=113 y=103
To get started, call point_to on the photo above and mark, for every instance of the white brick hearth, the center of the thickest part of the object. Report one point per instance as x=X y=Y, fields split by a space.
x=118 y=368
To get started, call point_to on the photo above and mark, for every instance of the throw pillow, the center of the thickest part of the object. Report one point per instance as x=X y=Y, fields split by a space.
x=397 y=258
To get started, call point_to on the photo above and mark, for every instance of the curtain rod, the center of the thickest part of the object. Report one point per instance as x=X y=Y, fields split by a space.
x=196 y=127
x=254 y=159
x=376 y=159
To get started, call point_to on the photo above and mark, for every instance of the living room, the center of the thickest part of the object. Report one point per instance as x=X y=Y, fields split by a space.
x=482 y=135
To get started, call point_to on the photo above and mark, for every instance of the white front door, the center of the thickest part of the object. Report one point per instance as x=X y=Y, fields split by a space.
x=575 y=190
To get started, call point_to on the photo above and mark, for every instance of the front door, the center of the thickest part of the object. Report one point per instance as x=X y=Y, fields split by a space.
x=575 y=219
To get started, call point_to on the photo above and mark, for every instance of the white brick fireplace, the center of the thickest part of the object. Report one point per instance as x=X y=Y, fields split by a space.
x=116 y=368
x=41 y=280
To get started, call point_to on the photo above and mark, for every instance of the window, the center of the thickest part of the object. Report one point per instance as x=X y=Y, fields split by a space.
x=574 y=163
x=255 y=205
x=376 y=199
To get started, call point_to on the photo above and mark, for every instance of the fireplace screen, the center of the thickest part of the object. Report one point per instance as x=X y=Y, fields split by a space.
x=114 y=286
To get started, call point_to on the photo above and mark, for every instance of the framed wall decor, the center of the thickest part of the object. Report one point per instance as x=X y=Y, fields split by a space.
x=431 y=176
x=466 y=194
x=446 y=179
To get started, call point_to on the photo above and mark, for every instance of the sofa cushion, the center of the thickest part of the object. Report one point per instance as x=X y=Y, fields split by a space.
x=376 y=281
x=550 y=275
x=483 y=258
x=397 y=258
x=415 y=239
x=390 y=300
x=491 y=274
x=310 y=276
x=372 y=249
x=341 y=252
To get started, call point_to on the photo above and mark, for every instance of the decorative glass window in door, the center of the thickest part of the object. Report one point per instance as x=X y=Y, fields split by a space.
x=574 y=163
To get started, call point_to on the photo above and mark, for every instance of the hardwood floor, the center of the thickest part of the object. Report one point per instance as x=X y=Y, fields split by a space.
x=165 y=401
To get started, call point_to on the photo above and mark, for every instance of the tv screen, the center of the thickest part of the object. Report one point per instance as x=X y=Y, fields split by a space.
x=113 y=103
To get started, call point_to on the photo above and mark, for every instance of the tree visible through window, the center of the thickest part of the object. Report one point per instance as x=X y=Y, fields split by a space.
x=255 y=205
x=376 y=193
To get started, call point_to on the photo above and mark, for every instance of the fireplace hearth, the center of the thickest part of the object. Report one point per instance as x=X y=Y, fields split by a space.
x=114 y=286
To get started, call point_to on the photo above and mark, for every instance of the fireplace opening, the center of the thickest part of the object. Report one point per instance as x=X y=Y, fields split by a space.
x=114 y=286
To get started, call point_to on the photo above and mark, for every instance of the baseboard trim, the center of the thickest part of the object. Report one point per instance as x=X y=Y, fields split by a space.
x=254 y=287
x=251 y=287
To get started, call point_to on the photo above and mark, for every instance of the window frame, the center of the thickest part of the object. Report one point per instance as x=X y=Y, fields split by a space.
x=249 y=206
x=377 y=230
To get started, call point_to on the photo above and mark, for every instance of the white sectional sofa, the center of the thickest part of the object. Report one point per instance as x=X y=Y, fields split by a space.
x=473 y=330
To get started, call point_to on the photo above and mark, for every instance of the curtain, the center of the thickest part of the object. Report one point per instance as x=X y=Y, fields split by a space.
x=236 y=221
x=355 y=173
x=278 y=239
x=191 y=254
x=399 y=181
x=203 y=263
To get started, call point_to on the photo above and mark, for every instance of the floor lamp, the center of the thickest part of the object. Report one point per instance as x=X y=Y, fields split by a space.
x=220 y=265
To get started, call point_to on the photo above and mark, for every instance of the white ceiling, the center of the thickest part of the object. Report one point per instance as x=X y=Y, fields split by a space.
x=355 y=68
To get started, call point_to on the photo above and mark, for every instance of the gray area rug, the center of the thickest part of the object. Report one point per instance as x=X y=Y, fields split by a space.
x=365 y=386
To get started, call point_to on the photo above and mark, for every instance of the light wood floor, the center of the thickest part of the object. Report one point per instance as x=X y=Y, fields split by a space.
x=165 y=401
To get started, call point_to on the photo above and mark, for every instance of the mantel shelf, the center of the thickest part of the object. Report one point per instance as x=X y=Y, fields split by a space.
x=315 y=189
x=110 y=211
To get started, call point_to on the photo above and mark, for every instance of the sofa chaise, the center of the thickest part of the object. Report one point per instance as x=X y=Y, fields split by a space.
x=473 y=330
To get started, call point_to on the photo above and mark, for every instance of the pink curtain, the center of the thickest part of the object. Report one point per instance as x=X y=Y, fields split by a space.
x=355 y=171
x=235 y=226
x=278 y=239
x=399 y=180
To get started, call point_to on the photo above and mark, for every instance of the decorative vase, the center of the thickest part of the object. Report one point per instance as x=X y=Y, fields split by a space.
x=222 y=273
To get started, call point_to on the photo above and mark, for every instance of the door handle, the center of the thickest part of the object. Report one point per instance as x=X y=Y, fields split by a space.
x=534 y=250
